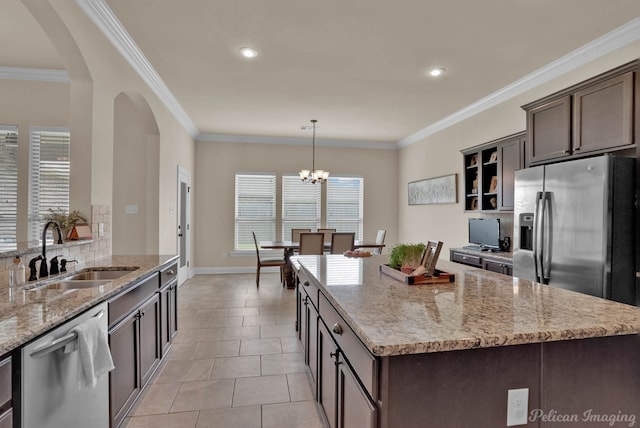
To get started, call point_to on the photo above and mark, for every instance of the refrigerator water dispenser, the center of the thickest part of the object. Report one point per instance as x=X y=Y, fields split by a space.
x=526 y=231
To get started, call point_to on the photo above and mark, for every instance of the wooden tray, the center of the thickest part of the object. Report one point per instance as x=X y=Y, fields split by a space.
x=439 y=277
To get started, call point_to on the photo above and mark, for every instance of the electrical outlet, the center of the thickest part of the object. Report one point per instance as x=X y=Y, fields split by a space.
x=517 y=407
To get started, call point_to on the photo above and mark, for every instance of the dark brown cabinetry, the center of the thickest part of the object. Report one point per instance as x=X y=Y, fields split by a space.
x=594 y=116
x=168 y=306
x=502 y=263
x=134 y=339
x=347 y=372
x=489 y=173
x=6 y=401
x=307 y=322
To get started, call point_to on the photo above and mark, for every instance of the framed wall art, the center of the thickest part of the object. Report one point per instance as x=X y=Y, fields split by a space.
x=437 y=190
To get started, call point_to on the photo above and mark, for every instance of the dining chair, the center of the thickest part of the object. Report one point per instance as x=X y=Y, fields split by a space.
x=327 y=234
x=379 y=240
x=311 y=243
x=267 y=262
x=295 y=234
x=341 y=242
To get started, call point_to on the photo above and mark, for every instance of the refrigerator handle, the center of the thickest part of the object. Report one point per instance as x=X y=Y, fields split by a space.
x=547 y=233
x=537 y=228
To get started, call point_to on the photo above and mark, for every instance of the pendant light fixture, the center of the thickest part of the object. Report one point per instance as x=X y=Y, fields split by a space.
x=313 y=176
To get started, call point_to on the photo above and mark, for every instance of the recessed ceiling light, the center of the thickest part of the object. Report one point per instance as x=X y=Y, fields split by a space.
x=435 y=72
x=248 y=52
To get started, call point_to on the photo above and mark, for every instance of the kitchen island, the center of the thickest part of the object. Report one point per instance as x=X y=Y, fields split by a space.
x=446 y=355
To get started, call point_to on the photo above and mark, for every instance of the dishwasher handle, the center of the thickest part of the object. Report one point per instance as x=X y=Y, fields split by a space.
x=43 y=350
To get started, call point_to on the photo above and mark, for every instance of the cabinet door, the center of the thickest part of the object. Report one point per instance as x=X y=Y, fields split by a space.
x=124 y=380
x=549 y=130
x=312 y=340
x=355 y=408
x=510 y=160
x=603 y=115
x=149 y=337
x=173 y=310
x=304 y=302
x=327 y=375
x=165 y=333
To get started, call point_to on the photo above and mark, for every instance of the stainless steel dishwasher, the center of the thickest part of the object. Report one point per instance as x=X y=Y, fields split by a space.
x=50 y=395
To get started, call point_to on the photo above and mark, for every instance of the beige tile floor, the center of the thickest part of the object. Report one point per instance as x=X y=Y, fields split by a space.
x=235 y=362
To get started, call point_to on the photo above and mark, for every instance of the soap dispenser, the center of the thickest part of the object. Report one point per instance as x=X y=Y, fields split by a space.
x=16 y=273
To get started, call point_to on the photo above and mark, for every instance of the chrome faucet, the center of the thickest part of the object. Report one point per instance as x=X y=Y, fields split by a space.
x=44 y=272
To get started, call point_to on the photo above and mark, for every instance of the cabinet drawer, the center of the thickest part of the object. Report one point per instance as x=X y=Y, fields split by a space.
x=168 y=274
x=6 y=419
x=5 y=384
x=360 y=359
x=466 y=259
x=308 y=286
x=127 y=302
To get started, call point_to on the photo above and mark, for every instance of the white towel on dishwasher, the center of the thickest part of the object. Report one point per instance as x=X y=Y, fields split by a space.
x=94 y=356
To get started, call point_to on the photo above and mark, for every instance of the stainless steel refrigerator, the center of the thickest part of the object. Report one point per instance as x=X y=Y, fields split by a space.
x=574 y=226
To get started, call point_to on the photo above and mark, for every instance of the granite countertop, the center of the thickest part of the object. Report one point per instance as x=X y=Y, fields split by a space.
x=26 y=314
x=481 y=309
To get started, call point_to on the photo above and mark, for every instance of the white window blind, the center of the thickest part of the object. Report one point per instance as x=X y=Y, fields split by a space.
x=300 y=205
x=255 y=209
x=49 y=175
x=8 y=186
x=345 y=204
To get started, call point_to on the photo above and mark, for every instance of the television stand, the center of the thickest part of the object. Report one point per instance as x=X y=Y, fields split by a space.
x=501 y=262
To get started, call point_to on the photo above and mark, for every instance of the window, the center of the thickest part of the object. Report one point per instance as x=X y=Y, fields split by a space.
x=255 y=209
x=300 y=205
x=49 y=172
x=345 y=204
x=8 y=186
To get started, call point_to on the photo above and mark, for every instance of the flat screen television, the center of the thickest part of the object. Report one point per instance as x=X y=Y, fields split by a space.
x=485 y=232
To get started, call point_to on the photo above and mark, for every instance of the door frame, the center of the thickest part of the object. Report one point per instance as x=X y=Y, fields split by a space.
x=184 y=270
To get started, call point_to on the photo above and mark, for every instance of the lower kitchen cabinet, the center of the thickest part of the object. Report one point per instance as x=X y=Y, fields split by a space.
x=344 y=401
x=6 y=401
x=135 y=349
x=168 y=315
x=135 y=343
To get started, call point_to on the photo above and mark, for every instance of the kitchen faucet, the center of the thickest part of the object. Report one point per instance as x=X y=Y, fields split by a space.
x=44 y=272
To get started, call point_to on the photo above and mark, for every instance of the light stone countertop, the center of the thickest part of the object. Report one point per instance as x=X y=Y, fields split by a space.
x=26 y=314
x=480 y=309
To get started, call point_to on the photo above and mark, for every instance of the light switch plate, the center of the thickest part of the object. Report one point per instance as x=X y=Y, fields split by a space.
x=517 y=407
x=131 y=209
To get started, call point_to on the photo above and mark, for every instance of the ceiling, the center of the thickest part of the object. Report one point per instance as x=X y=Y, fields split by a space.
x=358 y=66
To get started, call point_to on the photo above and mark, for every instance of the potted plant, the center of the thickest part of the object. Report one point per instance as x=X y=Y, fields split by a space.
x=406 y=257
x=66 y=221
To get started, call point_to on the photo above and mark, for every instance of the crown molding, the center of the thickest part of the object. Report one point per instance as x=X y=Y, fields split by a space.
x=103 y=17
x=295 y=141
x=613 y=40
x=37 y=74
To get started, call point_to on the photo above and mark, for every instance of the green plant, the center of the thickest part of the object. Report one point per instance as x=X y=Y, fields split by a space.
x=406 y=254
x=64 y=220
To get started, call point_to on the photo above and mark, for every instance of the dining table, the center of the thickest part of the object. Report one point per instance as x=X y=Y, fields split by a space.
x=290 y=247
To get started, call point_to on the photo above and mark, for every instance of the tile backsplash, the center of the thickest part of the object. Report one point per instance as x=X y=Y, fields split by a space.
x=83 y=252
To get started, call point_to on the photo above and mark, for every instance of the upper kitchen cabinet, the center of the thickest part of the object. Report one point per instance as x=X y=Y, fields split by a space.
x=489 y=173
x=595 y=116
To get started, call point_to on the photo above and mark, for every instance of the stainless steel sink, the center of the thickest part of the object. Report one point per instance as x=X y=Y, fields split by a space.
x=74 y=285
x=94 y=274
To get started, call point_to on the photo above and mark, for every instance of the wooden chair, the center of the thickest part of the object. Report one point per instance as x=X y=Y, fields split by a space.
x=327 y=234
x=295 y=234
x=379 y=240
x=341 y=242
x=267 y=262
x=311 y=243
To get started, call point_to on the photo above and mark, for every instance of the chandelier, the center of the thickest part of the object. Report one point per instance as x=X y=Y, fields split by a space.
x=313 y=176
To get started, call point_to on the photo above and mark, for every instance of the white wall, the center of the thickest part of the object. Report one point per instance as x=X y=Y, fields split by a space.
x=217 y=164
